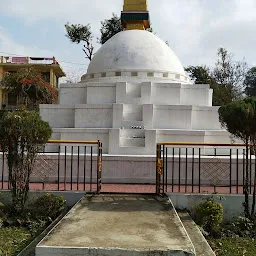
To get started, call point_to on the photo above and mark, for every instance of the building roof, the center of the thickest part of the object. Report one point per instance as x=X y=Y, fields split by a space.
x=13 y=63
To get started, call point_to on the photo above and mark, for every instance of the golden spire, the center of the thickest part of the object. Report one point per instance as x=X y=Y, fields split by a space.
x=135 y=14
x=135 y=5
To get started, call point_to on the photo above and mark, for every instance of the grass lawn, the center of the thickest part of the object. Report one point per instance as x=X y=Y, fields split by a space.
x=13 y=240
x=233 y=246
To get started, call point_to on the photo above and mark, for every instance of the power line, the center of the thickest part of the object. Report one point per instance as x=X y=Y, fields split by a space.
x=72 y=63
x=20 y=55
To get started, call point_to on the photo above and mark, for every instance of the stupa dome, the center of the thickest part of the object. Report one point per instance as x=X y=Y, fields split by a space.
x=135 y=50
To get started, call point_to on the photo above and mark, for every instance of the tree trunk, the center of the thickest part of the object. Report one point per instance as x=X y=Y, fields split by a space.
x=246 y=186
x=19 y=174
x=254 y=186
x=254 y=197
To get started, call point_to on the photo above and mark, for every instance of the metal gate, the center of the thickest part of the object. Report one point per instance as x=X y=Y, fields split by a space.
x=204 y=168
x=63 y=166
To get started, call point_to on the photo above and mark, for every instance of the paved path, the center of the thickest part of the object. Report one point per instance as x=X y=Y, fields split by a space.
x=127 y=225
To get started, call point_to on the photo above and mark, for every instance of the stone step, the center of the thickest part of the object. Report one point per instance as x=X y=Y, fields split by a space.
x=132 y=112
x=136 y=116
x=131 y=100
x=128 y=124
x=132 y=150
x=132 y=132
x=132 y=142
x=199 y=242
x=133 y=90
x=132 y=108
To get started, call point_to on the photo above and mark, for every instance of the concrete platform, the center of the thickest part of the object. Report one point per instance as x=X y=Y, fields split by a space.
x=202 y=247
x=119 y=225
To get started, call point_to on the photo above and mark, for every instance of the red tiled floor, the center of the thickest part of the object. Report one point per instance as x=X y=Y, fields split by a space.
x=130 y=188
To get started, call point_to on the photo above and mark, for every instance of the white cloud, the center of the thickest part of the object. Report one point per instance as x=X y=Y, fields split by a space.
x=8 y=46
x=195 y=29
x=61 y=11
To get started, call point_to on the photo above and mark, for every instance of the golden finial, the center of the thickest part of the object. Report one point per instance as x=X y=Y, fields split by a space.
x=135 y=14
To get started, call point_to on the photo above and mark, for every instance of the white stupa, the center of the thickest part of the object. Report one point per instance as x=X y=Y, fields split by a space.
x=135 y=93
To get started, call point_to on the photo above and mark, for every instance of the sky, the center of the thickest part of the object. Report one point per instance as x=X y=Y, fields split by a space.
x=195 y=29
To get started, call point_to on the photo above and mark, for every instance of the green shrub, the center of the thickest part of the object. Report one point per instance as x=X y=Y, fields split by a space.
x=242 y=227
x=209 y=215
x=36 y=226
x=2 y=215
x=37 y=215
x=22 y=135
x=2 y=113
x=47 y=206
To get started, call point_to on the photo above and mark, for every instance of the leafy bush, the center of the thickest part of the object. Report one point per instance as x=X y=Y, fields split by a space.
x=47 y=206
x=2 y=112
x=2 y=215
x=209 y=215
x=36 y=226
x=242 y=227
x=29 y=86
x=22 y=135
x=37 y=215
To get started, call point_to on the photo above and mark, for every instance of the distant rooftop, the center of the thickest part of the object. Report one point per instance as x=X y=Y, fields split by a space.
x=14 y=60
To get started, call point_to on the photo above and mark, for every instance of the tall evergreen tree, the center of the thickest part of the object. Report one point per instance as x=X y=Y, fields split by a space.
x=250 y=82
x=109 y=28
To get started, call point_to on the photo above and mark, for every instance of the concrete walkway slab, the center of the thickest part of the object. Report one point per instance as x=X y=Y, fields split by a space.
x=202 y=247
x=119 y=225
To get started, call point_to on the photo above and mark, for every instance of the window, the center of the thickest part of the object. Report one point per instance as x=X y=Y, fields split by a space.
x=92 y=76
x=103 y=74
x=134 y=74
x=12 y=99
x=46 y=76
x=118 y=73
x=165 y=74
x=150 y=74
x=12 y=72
x=57 y=81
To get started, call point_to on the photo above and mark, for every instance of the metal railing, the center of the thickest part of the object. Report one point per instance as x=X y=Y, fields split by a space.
x=63 y=166
x=203 y=168
x=27 y=60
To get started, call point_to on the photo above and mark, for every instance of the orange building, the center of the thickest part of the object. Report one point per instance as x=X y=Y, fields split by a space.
x=51 y=72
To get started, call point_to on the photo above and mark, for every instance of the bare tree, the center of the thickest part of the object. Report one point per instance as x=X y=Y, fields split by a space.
x=78 y=33
x=74 y=75
x=229 y=73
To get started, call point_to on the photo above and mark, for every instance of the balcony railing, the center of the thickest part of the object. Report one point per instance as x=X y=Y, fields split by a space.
x=27 y=60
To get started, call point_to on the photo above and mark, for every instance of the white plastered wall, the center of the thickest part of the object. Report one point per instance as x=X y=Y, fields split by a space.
x=205 y=118
x=196 y=95
x=94 y=116
x=165 y=94
x=72 y=94
x=58 y=116
x=101 y=93
x=172 y=117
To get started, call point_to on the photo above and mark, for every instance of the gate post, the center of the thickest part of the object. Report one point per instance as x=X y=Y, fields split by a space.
x=99 y=167
x=158 y=168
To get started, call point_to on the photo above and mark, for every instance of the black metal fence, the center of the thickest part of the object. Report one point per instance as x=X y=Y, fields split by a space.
x=203 y=168
x=63 y=166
